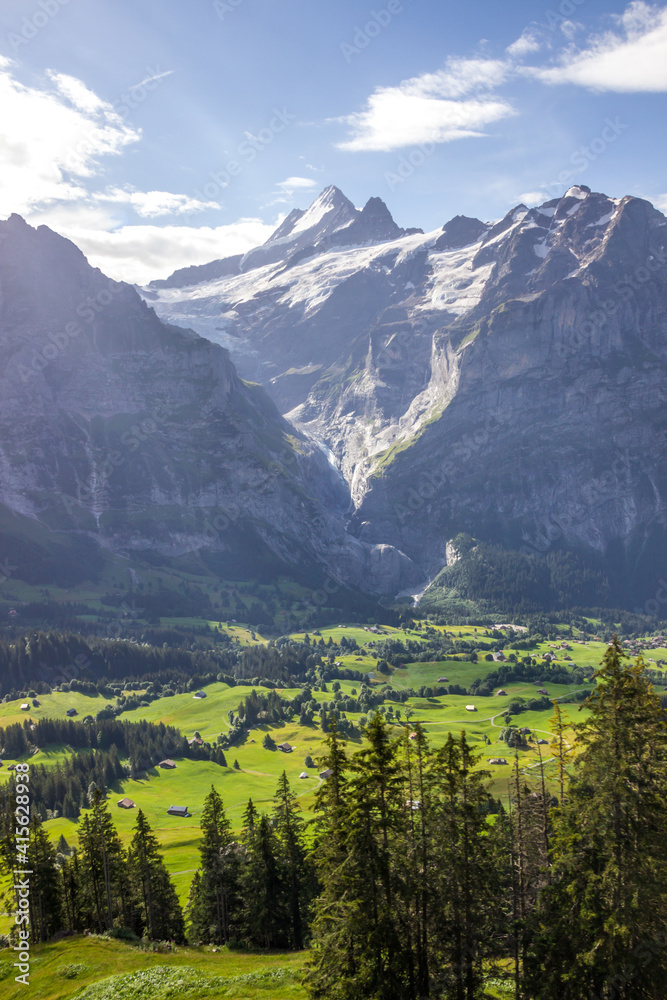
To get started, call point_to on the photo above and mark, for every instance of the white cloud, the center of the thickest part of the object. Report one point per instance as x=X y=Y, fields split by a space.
x=631 y=59
x=296 y=183
x=660 y=202
x=139 y=253
x=52 y=139
x=453 y=103
x=524 y=45
x=149 y=204
x=531 y=198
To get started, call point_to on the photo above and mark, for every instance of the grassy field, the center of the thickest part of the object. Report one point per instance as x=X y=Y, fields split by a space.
x=93 y=968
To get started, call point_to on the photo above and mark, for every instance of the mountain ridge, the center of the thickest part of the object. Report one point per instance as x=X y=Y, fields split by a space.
x=368 y=349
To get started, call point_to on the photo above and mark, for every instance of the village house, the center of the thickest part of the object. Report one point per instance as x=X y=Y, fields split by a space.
x=167 y=765
x=285 y=747
x=126 y=803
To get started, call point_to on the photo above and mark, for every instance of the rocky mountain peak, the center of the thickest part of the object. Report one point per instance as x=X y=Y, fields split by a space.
x=461 y=231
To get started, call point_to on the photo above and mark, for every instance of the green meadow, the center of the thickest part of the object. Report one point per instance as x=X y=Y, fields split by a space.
x=259 y=769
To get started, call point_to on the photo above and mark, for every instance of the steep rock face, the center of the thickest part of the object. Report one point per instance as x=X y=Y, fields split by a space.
x=521 y=362
x=556 y=434
x=141 y=436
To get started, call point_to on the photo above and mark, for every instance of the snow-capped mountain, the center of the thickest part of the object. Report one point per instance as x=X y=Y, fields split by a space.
x=543 y=334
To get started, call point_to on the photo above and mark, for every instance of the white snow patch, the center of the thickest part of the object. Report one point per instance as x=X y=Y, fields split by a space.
x=541 y=250
x=601 y=222
x=455 y=286
x=575 y=192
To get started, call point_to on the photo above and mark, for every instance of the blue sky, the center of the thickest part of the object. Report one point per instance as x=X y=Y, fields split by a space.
x=159 y=133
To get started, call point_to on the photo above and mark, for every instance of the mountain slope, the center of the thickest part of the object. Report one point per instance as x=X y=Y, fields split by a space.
x=122 y=432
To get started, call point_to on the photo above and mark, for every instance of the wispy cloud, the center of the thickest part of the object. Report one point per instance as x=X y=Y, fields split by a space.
x=296 y=184
x=150 y=204
x=454 y=103
x=528 y=42
x=631 y=58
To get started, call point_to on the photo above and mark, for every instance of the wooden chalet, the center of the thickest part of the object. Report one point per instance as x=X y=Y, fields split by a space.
x=178 y=811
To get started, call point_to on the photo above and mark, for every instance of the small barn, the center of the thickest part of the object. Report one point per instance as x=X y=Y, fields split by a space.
x=25 y=707
x=167 y=765
x=199 y=694
x=326 y=774
x=303 y=774
x=285 y=747
x=71 y=712
x=496 y=760
x=525 y=731
x=178 y=811
x=501 y=693
x=443 y=680
x=126 y=803
x=543 y=742
x=470 y=708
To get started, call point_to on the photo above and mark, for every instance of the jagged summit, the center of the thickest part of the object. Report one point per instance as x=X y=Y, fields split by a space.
x=330 y=221
x=330 y=211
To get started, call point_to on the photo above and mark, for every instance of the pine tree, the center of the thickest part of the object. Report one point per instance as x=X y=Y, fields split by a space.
x=46 y=886
x=216 y=901
x=161 y=916
x=601 y=924
x=299 y=877
x=467 y=879
x=362 y=916
x=103 y=863
x=264 y=916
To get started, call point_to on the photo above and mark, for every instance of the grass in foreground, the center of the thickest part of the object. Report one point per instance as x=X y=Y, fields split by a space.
x=91 y=968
